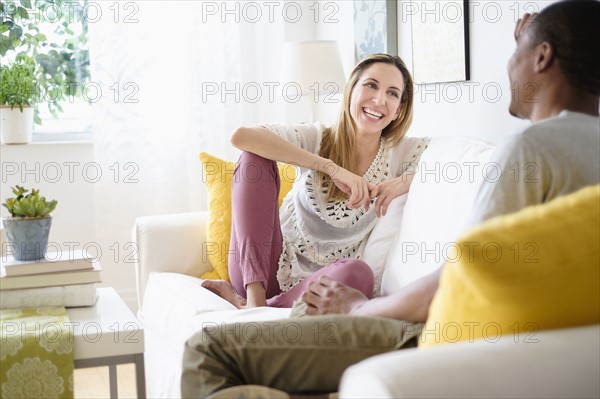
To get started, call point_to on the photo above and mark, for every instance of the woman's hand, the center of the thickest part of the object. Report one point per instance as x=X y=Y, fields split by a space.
x=389 y=190
x=358 y=188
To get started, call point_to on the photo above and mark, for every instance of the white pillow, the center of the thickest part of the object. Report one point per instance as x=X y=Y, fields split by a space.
x=439 y=203
x=381 y=238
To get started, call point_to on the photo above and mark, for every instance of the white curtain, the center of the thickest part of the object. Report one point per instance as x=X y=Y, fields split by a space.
x=156 y=74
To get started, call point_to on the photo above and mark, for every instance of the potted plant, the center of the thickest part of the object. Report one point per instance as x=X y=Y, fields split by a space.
x=54 y=35
x=28 y=227
x=17 y=97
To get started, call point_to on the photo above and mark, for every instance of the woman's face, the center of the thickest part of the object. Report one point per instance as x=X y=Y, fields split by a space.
x=375 y=99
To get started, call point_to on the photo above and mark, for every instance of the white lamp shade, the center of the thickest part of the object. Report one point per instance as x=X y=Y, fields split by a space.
x=315 y=66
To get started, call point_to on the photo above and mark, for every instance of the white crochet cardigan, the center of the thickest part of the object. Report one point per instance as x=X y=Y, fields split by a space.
x=316 y=233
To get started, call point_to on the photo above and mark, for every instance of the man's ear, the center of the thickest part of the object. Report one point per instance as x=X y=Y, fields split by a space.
x=544 y=57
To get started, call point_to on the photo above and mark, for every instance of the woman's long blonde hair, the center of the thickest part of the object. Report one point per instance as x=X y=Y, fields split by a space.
x=338 y=141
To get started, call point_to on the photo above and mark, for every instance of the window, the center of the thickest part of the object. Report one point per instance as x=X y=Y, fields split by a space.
x=55 y=34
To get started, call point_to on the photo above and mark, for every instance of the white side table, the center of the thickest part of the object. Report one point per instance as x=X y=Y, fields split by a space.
x=108 y=334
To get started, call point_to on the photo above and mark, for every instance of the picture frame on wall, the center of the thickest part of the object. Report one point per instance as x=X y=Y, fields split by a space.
x=439 y=30
x=375 y=27
x=440 y=40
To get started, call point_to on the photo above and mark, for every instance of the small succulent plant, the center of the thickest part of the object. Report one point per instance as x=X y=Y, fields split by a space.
x=28 y=205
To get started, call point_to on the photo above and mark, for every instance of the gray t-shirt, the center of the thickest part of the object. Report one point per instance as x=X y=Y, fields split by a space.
x=550 y=158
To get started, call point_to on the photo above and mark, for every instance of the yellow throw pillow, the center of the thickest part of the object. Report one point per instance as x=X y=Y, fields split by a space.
x=517 y=274
x=218 y=175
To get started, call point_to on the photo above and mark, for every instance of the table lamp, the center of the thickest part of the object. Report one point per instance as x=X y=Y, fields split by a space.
x=315 y=67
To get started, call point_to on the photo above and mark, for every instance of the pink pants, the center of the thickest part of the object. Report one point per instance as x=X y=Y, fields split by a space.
x=256 y=239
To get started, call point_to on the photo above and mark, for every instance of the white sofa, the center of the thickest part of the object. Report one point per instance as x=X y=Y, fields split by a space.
x=408 y=243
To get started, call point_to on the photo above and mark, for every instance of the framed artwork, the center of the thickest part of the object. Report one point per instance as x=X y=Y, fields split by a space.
x=440 y=40
x=439 y=32
x=375 y=27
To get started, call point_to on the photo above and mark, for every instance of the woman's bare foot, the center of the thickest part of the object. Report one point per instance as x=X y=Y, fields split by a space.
x=225 y=291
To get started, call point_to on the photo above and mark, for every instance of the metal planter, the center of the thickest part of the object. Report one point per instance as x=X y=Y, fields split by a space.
x=28 y=237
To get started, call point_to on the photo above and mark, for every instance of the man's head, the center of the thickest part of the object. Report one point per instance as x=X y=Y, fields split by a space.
x=560 y=45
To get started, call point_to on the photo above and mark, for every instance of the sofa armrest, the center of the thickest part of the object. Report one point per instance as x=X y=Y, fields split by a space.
x=547 y=364
x=170 y=243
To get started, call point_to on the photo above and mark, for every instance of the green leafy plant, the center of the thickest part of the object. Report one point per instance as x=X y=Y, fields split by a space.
x=55 y=34
x=28 y=205
x=18 y=84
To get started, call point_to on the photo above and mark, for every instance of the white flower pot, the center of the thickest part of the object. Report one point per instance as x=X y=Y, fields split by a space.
x=16 y=126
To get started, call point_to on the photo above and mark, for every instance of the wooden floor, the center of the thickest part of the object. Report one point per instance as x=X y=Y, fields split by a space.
x=93 y=382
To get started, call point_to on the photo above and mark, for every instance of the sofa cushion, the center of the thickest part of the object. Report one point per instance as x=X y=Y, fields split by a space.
x=218 y=175
x=519 y=273
x=170 y=299
x=437 y=208
x=381 y=238
x=175 y=306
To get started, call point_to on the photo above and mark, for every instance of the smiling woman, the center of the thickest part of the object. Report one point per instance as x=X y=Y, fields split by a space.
x=349 y=174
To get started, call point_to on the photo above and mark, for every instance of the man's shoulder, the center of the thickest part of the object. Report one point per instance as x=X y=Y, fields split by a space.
x=521 y=142
x=562 y=126
x=565 y=130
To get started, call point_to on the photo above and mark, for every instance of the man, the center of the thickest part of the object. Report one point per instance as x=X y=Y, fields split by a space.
x=555 y=76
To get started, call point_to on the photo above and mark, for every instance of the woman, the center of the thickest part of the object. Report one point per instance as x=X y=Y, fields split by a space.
x=349 y=175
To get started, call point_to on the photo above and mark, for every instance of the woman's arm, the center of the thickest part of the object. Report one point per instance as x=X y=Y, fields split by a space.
x=267 y=144
x=389 y=190
x=404 y=159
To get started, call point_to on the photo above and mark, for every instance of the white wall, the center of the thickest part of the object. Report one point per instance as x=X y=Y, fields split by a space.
x=459 y=108
x=67 y=172
x=64 y=172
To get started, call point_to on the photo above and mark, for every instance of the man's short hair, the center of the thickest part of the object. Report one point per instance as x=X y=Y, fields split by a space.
x=571 y=27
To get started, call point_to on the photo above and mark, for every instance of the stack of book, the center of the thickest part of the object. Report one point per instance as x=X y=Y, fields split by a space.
x=66 y=278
